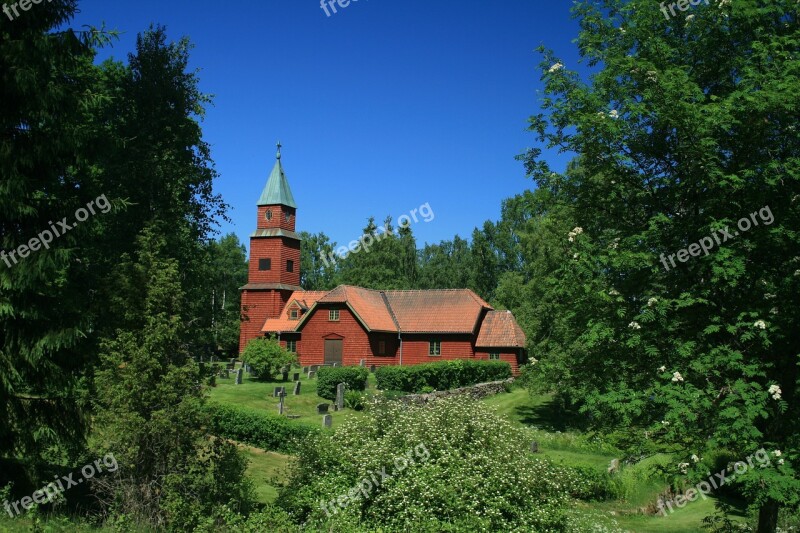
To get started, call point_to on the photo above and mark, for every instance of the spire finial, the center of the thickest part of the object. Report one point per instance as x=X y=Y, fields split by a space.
x=279 y=150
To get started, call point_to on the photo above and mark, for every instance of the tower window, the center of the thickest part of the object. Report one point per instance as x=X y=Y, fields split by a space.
x=293 y=314
x=333 y=315
x=287 y=216
x=268 y=214
x=289 y=266
x=265 y=264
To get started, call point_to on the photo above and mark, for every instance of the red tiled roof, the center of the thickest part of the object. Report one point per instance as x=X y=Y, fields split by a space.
x=367 y=304
x=500 y=330
x=420 y=311
x=436 y=311
x=283 y=323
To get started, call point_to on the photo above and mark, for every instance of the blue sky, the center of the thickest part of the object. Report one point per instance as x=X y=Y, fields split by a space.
x=380 y=107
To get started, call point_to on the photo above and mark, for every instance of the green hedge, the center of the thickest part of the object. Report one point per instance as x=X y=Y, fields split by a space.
x=328 y=377
x=442 y=375
x=257 y=428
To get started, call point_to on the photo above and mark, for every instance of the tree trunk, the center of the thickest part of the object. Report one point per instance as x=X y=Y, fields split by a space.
x=768 y=517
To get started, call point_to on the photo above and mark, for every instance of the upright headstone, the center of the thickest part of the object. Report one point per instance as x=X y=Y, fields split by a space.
x=305 y=370
x=613 y=468
x=363 y=362
x=334 y=365
x=534 y=447
x=327 y=421
x=297 y=388
x=322 y=408
x=212 y=359
x=226 y=374
x=296 y=376
x=239 y=374
x=280 y=404
x=232 y=364
x=285 y=376
x=372 y=368
x=340 y=395
x=277 y=392
x=311 y=374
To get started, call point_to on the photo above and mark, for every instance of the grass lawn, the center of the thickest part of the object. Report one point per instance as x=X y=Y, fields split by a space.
x=564 y=446
x=259 y=395
x=268 y=470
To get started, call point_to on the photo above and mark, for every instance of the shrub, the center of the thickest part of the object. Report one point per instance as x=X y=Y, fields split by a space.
x=355 y=400
x=442 y=375
x=257 y=428
x=354 y=377
x=266 y=357
x=423 y=449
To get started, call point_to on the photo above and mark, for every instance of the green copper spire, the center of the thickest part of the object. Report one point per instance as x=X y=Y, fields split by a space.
x=277 y=190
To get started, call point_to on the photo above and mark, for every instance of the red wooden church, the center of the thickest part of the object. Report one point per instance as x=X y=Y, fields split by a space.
x=351 y=324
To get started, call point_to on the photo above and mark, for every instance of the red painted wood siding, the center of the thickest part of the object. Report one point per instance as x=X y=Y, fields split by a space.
x=257 y=306
x=355 y=342
x=416 y=348
x=278 y=217
x=509 y=355
x=279 y=250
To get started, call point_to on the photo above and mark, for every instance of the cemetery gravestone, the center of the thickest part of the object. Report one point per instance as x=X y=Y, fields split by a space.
x=340 y=395
x=296 y=376
x=327 y=421
x=322 y=408
x=311 y=374
x=363 y=362
x=239 y=376
x=297 y=388
x=372 y=368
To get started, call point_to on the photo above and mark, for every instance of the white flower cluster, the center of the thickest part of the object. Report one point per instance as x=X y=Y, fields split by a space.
x=777 y=453
x=695 y=458
x=555 y=67
x=683 y=467
x=634 y=325
x=574 y=233
x=775 y=391
x=662 y=368
x=760 y=324
x=651 y=302
x=676 y=377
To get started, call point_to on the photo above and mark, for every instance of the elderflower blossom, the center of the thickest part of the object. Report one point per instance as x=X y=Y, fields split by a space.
x=555 y=67
x=664 y=422
x=777 y=453
x=775 y=391
x=760 y=324
x=662 y=368
x=613 y=114
x=651 y=302
x=534 y=360
x=634 y=325
x=780 y=461
x=683 y=467
x=695 y=458
x=676 y=377
x=613 y=292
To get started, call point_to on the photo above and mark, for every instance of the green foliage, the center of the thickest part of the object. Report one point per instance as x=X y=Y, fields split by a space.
x=151 y=415
x=449 y=440
x=442 y=375
x=355 y=400
x=354 y=377
x=258 y=428
x=267 y=357
x=686 y=126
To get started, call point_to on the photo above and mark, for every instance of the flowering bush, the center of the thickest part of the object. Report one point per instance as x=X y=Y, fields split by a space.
x=478 y=474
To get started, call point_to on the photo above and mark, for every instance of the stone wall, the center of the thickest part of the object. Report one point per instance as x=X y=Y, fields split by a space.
x=476 y=392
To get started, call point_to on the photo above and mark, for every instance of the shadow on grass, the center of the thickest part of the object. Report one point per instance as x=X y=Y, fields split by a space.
x=551 y=414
